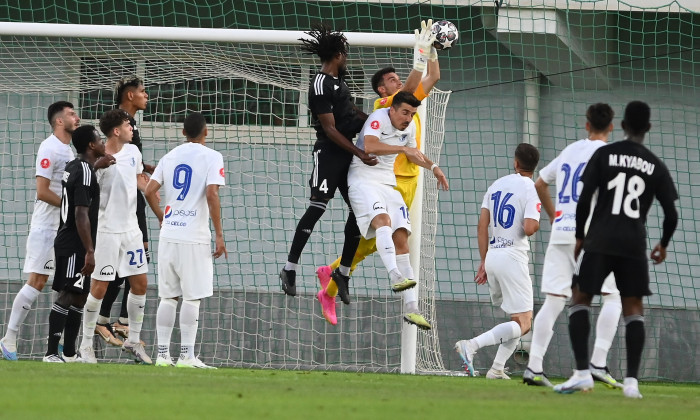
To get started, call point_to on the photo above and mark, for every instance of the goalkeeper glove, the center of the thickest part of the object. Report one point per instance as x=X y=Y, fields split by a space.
x=424 y=42
x=433 y=54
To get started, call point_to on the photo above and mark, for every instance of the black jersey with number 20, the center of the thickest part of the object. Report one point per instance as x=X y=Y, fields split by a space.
x=627 y=177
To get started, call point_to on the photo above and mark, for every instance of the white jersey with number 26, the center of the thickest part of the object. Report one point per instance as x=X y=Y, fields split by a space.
x=184 y=173
x=510 y=200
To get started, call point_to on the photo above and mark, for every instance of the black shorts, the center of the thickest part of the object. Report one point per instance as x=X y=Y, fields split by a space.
x=141 y=215
x=631 y=274
x=68 y=275
x=330 y=172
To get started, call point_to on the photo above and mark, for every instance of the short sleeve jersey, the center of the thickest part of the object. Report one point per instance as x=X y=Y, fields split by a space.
x=379 y=125
x=118 y=191
x=185 y=172
x=403 y=166
x=136 y=139
x=331 y=95
x=51 y=160
x=566 y=170
x=627 y=177
x=510 y=200
x=80 y=189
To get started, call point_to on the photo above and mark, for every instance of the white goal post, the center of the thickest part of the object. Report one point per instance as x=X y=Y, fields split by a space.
x=252 y=86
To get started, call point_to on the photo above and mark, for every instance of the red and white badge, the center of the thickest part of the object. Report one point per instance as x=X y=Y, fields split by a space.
x=45 y=163
x=539 y=207
x=383 y=101
x=222 y=173
x=374 y=124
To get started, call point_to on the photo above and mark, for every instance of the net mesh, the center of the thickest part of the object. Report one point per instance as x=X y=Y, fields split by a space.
x=517 y=74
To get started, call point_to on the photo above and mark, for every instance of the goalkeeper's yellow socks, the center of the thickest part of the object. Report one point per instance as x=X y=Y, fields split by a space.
x=332 y=288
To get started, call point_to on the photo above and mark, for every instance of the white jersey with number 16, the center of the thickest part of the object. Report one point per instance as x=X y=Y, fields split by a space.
x=184 y=173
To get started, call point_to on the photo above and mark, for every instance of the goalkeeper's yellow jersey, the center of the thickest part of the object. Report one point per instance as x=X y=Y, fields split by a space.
x=402 y=166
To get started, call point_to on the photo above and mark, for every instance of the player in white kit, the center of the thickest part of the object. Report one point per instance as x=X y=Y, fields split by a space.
x=379 y=208
x=119 y=246
x=191 y=175
x=566 y=170
x=39 y=263
x=511 y=211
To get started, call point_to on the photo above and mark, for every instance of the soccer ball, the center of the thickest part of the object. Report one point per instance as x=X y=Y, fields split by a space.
x=445 y=34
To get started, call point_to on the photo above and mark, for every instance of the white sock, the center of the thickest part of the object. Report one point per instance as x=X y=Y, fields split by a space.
x=165 y=321
x=386 y=249
x=90 y=314
x=505 y=350
x=124 y=321
x=102 y=320
x=20 y=308
x=344 y=270
x=135 y=306
x=189 y=321
x=498 y=334
x=606 y=328
x=543 y=329
x=290 y=266
x=410 y=296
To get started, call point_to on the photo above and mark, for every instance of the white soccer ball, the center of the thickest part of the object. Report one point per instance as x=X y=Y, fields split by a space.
x=445 y=34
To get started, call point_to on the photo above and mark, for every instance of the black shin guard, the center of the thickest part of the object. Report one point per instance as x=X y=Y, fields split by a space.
x=579 y=330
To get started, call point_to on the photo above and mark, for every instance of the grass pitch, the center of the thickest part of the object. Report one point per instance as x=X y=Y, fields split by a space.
x=35 y=390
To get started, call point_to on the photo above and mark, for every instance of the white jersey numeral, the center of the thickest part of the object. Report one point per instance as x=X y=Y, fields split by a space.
x=64 y=205
x=79 y=283
x=635 y=188
x=324 y=186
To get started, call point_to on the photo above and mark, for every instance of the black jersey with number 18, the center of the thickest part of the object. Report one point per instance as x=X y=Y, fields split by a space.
x=627 y=177
x=80 y=188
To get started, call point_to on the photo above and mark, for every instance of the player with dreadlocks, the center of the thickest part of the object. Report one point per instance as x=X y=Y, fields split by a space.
x=337 y=121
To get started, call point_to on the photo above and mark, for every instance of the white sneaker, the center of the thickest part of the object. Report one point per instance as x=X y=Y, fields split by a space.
x=575 y=383
x=164 y=361
x=87 y=355
x=192 y=362
x=138 y=351
x=631 y=388
x=72 y=359
x=53 y=358
x=496 y=374
x=466 y=350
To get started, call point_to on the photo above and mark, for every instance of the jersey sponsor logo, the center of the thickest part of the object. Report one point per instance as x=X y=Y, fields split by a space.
x=500 y=242
x=222 y=173
x=403 y=138
x=558 y=215
x=168 y=211
x=107 y=270
x=45 y=163
x=377 y=206
x=374 y=124
x=49 y=265
x=336 y=87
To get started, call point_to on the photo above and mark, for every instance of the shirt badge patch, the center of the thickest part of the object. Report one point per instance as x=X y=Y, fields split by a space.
x=222 y=173
x=539 y=207
x=374 y=124
x=383 y=101
x=45 y=163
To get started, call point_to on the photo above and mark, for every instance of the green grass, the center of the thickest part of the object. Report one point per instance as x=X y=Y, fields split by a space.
x=105 y=391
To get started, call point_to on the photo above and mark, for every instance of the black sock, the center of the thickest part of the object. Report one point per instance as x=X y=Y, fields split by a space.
x=71 y=330
x=124 y=313
x=634 y=338
x=110 y=296
x=579 y=330
x=352 y=240
x=57 y=322
x=304 y=229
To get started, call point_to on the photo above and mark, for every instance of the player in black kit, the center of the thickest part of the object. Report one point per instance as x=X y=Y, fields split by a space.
x=75 y=241
x=337 y=121
x=627 y=177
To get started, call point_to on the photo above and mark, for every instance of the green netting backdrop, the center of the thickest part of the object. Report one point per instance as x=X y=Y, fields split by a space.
x=516 y=74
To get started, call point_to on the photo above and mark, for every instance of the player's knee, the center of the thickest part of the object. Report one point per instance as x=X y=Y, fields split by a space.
x=65 y=299
x=612 y=299
x=169 y=302
x=37 y=281
x=193 y=303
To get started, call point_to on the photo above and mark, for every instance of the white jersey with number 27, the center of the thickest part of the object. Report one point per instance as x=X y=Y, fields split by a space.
x=184 y=173
x=510 y=200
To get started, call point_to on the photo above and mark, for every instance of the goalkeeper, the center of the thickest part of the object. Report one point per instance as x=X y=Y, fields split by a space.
x=386 y=83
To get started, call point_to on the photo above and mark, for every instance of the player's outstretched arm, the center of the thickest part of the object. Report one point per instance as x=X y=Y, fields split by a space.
x=82 y=224
x=546 y=200
x=151 y=194
x=215 y=213
x=483 y=240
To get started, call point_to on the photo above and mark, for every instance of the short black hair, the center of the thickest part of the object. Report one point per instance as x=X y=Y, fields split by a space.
x=637 y=115
x=123 y=85
x=112 y=119
x=325 y=43
x=528 y=156
x=56 y=108
x=84 y=135
x=378 y=78
x=600 y=116
x=403 y=97
x=194 y=125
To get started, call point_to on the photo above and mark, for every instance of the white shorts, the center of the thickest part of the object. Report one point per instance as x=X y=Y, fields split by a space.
x=558 y=271
x=119 y=253
x=509 y=282
x=185 y=270
x=369 y=199
x=40 y=257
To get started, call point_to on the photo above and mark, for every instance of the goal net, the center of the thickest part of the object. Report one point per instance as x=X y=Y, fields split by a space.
x=254 y=95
